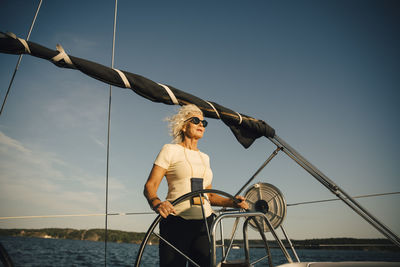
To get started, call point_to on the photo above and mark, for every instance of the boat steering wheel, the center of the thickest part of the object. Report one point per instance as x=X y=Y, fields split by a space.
x=157 y=220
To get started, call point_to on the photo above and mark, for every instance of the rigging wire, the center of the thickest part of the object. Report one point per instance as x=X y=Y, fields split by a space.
x=108 y=137
x=20 y=58
x=152 y=212
x=336 y=199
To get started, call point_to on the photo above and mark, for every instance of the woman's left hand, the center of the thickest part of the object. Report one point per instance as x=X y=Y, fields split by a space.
x=242 y=203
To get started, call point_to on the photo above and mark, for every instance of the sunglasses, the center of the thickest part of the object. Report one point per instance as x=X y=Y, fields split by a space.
x=196 y=121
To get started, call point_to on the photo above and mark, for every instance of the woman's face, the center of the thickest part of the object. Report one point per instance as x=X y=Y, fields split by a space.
x=195 y=131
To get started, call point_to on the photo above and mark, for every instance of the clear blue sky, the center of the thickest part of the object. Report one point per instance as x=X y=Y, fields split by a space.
x=324 y=74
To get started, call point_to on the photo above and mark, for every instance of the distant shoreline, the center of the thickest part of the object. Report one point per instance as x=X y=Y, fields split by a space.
x=137 y=237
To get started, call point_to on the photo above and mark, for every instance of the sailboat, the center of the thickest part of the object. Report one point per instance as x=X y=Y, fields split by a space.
x=268 y=204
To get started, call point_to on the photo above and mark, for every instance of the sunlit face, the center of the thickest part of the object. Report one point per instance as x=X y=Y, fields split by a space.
x=195 y=131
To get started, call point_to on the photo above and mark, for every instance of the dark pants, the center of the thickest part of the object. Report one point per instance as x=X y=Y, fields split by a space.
x=189 y=236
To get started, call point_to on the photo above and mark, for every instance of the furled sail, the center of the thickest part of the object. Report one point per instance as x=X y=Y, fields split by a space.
x=245 y=128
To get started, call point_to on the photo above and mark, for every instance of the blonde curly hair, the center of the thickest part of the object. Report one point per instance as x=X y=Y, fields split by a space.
x=177 y=121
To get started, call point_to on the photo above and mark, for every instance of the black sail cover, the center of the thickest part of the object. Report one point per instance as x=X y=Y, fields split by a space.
x=245 y=128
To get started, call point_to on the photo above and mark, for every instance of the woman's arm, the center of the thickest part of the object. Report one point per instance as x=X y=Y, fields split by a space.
x=217 y=200
x=164 y=208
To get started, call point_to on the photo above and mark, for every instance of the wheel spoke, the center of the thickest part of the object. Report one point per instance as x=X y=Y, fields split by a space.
x=259 y=193
x=273 y=197
x=176 y=249
x=275 y=215
x=204 y=217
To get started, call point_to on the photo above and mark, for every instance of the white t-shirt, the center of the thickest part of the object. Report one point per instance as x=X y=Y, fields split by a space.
x=182 y=164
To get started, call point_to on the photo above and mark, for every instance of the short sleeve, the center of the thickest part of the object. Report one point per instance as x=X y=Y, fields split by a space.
x=164 y=157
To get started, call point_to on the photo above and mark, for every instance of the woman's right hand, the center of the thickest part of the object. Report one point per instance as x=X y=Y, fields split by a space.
x=164 y=208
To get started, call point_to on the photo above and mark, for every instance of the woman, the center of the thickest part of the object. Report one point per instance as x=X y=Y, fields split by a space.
x=186 y=169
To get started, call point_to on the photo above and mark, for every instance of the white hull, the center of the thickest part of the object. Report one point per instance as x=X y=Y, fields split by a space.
x=342 y=264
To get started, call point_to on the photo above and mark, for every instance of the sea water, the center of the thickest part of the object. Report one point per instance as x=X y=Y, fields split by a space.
x=25 y=251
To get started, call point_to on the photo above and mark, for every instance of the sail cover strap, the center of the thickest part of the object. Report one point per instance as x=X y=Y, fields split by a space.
x=170 y=93
x=23 y=42
x=240 y=118
x=219 y=117
x=245 y=128
x=123 y=77
x=61 y=56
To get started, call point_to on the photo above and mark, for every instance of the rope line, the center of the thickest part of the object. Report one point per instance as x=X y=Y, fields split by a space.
x=76 y=215
x=20 y=57
x=336 y=199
